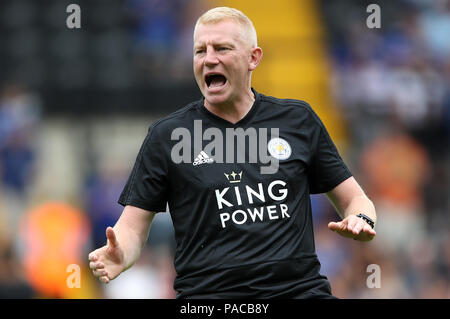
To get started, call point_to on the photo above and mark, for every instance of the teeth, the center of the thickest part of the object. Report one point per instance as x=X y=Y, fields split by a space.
x=209 y=77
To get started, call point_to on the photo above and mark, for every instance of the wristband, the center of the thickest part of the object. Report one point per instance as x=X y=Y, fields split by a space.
x=367 y=219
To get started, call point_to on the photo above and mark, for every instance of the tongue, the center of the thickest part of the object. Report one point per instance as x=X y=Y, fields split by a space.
x=217 y=81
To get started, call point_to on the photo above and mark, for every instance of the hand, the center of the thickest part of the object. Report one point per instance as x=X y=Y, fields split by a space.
x=353 y=227
x=107 y=262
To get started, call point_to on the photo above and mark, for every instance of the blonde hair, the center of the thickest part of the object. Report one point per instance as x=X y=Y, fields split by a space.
x=219 y=14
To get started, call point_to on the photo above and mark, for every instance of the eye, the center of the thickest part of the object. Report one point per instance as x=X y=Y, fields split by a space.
x=199 y=51
x=222 y=48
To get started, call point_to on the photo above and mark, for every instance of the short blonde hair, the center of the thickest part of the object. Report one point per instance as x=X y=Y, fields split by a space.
x=219 y=14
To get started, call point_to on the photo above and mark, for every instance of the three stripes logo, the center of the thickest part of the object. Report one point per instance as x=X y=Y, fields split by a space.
x=202 y=158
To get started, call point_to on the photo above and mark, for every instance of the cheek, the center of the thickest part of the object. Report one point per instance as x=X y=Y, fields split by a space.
x=196 y=68
x=238 y=72
x=197 y=63
x=240 y=66
x=197 y=71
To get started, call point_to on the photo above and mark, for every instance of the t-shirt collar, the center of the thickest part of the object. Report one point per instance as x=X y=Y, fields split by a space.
x=246 y=119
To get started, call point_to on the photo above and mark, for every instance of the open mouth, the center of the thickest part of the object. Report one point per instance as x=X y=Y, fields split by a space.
x=215 y=80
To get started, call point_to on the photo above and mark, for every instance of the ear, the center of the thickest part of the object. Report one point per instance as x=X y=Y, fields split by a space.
x=255 y=58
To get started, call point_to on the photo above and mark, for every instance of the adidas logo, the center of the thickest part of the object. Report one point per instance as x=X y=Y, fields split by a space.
x=202 y=158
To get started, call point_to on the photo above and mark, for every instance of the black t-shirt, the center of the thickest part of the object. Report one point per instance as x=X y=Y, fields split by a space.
x=239 y=232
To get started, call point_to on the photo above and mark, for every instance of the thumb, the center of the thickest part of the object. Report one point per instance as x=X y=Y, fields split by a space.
x=335 y=226
x=111 y=236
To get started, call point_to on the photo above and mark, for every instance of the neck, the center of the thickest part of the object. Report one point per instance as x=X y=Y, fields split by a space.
x=235 y=110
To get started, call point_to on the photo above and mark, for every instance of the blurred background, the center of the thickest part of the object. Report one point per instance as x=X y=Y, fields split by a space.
x=75 y=106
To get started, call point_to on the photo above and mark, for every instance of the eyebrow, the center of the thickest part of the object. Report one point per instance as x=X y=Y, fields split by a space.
x=216 y=44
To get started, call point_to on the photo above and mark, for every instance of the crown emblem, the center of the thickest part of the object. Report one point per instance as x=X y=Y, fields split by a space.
x=235 y=178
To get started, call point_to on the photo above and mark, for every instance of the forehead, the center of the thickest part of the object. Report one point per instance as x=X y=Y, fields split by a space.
x=223 y=31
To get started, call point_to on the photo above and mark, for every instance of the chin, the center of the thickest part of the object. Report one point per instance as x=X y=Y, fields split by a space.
x=216 y=99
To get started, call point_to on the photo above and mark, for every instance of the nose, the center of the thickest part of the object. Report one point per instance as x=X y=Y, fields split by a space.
x=211 y=57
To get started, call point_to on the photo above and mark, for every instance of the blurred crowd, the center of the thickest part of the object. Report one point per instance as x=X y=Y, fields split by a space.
x=19 y=118
x=392 y=87
x=43 y=233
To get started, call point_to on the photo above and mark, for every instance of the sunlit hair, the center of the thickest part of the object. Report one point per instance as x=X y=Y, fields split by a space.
x=220 y=14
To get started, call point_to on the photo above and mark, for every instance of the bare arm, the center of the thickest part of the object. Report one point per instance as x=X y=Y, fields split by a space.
x=349 y=200
x=132 y=231
x=125 y=242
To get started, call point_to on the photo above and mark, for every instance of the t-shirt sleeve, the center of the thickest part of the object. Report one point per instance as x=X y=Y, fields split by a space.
x=327 y=169
x=147 y=186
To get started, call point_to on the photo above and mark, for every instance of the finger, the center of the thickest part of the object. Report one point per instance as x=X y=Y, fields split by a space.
x=112 y=240
x=367 y=234
x=352 y=222
x=104 y=279
x=335 y=226
x=359 y=226
x=100 y=273
x=368 y=229
x=96 y=265
x=93 y=256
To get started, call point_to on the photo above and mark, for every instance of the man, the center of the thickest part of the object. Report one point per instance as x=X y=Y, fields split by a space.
x=239 y=232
